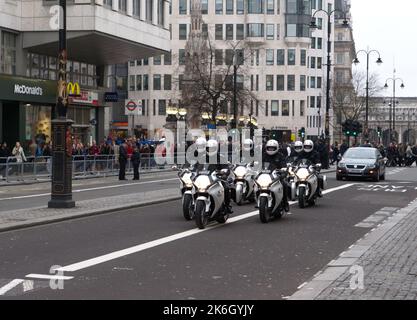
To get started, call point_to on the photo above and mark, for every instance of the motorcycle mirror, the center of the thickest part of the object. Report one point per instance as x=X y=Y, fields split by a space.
x=289 y=165
x=174 y=168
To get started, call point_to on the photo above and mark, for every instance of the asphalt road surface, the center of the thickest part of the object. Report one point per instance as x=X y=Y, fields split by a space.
x=152 y=253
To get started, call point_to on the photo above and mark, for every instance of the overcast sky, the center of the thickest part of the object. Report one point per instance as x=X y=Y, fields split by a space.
x=391 y=28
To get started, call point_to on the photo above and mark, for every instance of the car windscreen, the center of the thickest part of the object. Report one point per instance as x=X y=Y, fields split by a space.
x=360 y=154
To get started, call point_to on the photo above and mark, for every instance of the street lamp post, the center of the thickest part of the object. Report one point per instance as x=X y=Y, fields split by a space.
x=61 y=190
x=313 y=25
x=394 y=82
x=379 y=62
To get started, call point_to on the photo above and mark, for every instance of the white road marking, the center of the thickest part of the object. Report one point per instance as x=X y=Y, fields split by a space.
x=10 y=286
x=89 y=189
x=301 y=285
x=144 y=246
x=47 y=276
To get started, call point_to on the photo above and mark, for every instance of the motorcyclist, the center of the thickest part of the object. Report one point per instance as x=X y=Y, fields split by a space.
x=248 y=150
x=313 y=157
x=276 y=160
x=215 y=161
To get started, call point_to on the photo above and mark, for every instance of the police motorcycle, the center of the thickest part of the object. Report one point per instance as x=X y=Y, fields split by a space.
x=304 y=188
x=186 y=176
x=244 y=183
x=270 y=193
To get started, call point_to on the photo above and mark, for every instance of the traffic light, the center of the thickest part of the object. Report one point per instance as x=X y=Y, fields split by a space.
x=379 y=130
x=348 y=127
x=302 y=132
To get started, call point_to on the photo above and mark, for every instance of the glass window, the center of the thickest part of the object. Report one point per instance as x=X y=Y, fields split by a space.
x=146 y=61
x=274 y=108
x=291 y=30
x=302 y=83
x=313 y=82
x=278 y=31
x=157 y=82
x=182 y=6
x=255 y=29
x=270 y=7
x=240 y=31
x=229 y=57
x=240 y=79
x=319 y=43
x=240 y=6
x=285 y=108
x=256 y=6
x=269 y=82
x=319 y=82
x=204 y=6
x=157 y=60
x=218 y=57
x=270 y=29
x=145 y=82
x=280 y=82
x=219 y=6
x=162 y=107
x=167 y=82
x=204 y=30
x=229 y=31
x=281 y=57
x=269 y=57
x=240 y=57
x=291 y=57
x=136 y=8
x=181 y=57
x=219 y=31
x=291 y=82
x=132 y=84
x=303 y=57
x=229 y=6
x=312 y=102
x=167 y=59
x=313 y=43
x=255 y=57
x=122 y=5
x=318 y=102
x=139 y=82
x=313 y=63
x=183 y=31
x=302 y=107
x=319 y=62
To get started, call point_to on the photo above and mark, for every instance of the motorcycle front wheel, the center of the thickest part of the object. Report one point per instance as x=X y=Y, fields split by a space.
x=264 y=210
x=302 y=197
x=200 y=217
x=187 y=207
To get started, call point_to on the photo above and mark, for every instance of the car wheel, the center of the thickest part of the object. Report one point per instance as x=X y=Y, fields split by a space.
x=338 y=177
x=376 y=179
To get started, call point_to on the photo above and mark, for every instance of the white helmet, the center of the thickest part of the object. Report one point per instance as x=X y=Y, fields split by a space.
x=212 y=147
x=308 y=146
x=248 y=145
x=201 y=144
x=272 y=147
x=298 y=146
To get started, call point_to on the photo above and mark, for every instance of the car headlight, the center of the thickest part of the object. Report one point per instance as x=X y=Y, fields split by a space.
x=264 y=181
x=371 y=166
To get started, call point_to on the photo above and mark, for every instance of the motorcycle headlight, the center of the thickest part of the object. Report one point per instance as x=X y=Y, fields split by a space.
x=186 y=179
x=302 y=174
x=264 y=181
x=240 y=172
x=202 y=183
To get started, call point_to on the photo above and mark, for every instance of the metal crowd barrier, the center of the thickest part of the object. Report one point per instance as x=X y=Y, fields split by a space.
x=40 y=168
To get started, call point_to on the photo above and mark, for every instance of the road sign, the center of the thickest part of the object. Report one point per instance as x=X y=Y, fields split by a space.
x=133 y=108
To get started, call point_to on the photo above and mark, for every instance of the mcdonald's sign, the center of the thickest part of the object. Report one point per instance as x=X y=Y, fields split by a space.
x=73 y=89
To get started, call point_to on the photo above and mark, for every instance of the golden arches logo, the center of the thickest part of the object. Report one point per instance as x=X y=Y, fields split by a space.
x=73 y=89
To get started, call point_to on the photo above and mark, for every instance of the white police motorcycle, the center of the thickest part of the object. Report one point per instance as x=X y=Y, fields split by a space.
x=269 y=194
x=187 y=191
x=244 y=183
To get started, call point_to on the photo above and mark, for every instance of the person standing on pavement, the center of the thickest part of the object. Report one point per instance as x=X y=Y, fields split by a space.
x=122 y=161
x=336 y=153
x=135 y=162
x=4 y=154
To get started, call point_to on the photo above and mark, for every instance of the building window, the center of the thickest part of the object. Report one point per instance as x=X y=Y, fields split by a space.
x=181 y=57
x=229 y=6
x=313 y=63
x=145 y=82
x=291 y=82
x=274 y=108
x=229 y=31
x=219 y=31
x=183 y=31
x=240 y=31
x=285 y=108
x=167 y=82
x=269 y=57
x=269 y=82
x=255 y=29
x=256 y=6
x=219 y=6
x=319 y=102
x=312 y=82
x=302 y=83
x=281 y=57
x=270 y=7
x=319 y=43
x=8 y=53
x=162 y=107
x=240 y=6
x=122 y=5
x=270 y=28
x=183 y=6
x=313 y=43
x=229 y=57
x=157 y=82
x=319 y=62
x=139 y=82
x=167 y=59
x=157 y=60
x=204 y=30
x=319 y=82
x=255 y=57
x=312 y=102
x=132 y=84
x=303 y=57
x=280 y=82
x=291 y=57
x=136 y=8
x=204 y=6
x=302 y=108
x=218 y=57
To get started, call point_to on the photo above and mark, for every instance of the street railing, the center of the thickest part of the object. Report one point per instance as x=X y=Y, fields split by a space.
x=40 y=168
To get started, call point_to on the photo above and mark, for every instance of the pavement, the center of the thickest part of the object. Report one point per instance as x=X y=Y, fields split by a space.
x=150 y=252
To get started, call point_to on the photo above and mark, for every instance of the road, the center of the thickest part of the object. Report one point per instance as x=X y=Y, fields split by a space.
x=37 y=195
x=152 y=253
